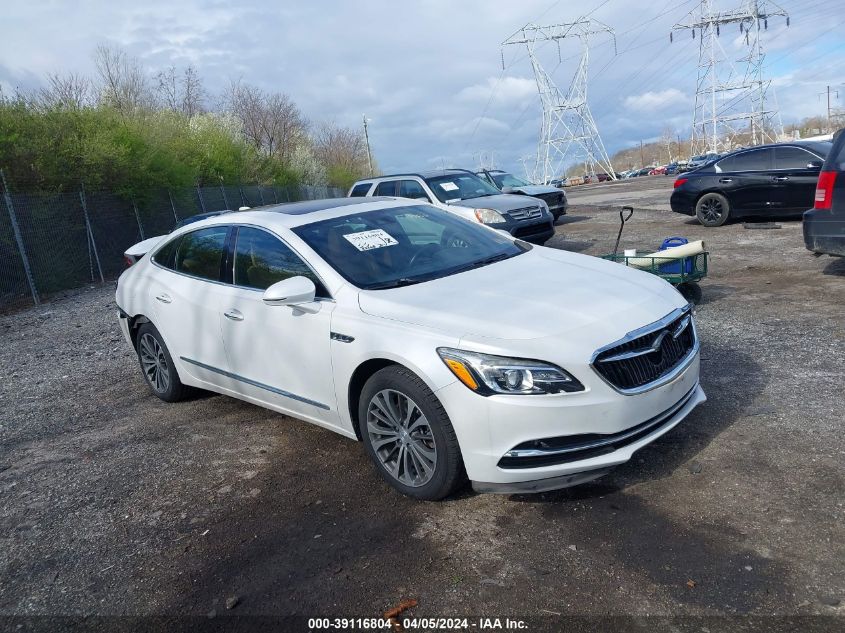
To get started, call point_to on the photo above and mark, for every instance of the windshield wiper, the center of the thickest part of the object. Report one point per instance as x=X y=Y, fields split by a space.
x=396 y=283
x=484 y=262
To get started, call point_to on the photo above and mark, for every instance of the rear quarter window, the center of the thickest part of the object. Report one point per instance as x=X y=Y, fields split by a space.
x=166 y=255
x=360 y=191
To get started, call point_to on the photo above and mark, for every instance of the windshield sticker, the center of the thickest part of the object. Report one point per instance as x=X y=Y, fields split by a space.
x=448 y=186
x=368 y=240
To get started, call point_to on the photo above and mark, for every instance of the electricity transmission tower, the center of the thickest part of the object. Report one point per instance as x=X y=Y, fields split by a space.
x=568 y=130
x=732 y=104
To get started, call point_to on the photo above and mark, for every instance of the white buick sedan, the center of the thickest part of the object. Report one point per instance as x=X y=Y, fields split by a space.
x=450 y=350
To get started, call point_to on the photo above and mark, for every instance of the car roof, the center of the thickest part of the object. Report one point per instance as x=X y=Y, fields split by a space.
x=298 y=213
x=434 y=173
x=822 y=147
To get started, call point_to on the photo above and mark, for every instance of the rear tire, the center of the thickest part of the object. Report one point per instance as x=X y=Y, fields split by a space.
x=712 y=209
x=408 y=435
x=157 y=365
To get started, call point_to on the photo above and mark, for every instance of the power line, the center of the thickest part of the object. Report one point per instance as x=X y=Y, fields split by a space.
x=567 y=126
x=717 y=76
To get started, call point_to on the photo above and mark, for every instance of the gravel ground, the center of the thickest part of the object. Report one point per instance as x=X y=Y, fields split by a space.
x=114 y=503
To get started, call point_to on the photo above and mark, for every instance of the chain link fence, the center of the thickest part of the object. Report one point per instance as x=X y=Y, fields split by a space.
x=52 y=242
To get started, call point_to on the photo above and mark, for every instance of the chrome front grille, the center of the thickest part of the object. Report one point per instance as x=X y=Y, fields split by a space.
x=649 y=356
x=525 y=213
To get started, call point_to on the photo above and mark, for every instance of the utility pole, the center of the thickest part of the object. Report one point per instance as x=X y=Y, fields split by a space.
x=367 y=139
x=829 y=109
x=642 y=158
x=567 y=129
x=730 y=99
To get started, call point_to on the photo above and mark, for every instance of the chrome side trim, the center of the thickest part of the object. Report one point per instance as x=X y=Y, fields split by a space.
x=654 y=422
x=647 y=329
x=343 y=338
x=255 y=383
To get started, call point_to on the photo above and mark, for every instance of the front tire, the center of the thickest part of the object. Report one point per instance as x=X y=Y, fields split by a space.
x=408 y=435
x=712 y=209
x=157 y=365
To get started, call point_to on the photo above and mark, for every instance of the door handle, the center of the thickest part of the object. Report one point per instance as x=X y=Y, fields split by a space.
x=234 y=315
x=725 y=181
x=780 y=178
x=164 y=298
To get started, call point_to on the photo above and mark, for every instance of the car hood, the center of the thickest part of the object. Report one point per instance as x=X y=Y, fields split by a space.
x=541 y=293
x=535 y=190
x=500 y=202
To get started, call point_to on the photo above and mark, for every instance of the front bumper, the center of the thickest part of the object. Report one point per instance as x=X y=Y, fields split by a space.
x=824 y=232
x=488 y=429
x=536 y=233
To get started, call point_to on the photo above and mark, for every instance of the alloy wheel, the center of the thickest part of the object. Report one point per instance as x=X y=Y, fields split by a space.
x=712 y=210
x=154 y=363
x=401 y=438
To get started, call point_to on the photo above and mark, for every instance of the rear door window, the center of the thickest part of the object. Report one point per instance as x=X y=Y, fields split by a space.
x=753 y=160
x=200 y=253
x=793 y=158
x=386 y=188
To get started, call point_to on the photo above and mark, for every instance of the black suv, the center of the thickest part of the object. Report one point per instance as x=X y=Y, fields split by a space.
x=767 y=180
x=824 y=224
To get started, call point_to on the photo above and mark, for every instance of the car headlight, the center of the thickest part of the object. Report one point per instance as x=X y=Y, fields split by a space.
x=486 y=374
x=489 y=216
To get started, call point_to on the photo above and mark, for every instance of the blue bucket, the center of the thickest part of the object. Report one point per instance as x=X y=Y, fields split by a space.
x=682 y=265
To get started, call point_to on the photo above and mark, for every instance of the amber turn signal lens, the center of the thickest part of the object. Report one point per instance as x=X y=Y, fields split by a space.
x=462 y=373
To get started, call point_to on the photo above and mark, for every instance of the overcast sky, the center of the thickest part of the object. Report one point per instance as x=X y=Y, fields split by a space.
x=428 y=74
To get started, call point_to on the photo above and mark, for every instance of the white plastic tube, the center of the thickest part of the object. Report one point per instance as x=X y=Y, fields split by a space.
x=675 y=252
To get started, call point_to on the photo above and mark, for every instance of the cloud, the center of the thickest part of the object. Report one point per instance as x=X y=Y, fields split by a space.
x=424 y=72
x=648 y=101
x=507 y=90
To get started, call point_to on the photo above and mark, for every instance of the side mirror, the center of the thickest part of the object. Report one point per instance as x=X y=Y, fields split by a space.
x=507 y=189
x=422 y=197
x=814 y=164
x=293 y=291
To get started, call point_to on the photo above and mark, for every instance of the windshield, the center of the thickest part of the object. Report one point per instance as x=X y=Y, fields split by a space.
x=508 y=180
x=462 y=186
x=395 y=247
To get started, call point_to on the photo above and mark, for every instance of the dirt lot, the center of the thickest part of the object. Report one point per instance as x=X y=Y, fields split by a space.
x=112 y=502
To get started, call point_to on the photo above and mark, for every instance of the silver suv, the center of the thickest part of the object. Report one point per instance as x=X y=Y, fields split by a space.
x=463 y=193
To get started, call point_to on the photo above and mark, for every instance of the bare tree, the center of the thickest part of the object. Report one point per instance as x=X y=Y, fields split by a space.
x=124 y=83
x=193 y=92
x=181 y=93
x=272 y=122
x=342 y=150
x=71 y=91
x=167 y=89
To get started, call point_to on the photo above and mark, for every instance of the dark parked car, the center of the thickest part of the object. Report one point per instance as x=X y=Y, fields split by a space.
x=824 y=224
x=767 y=180
x=554 y=198
x=696 y=162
